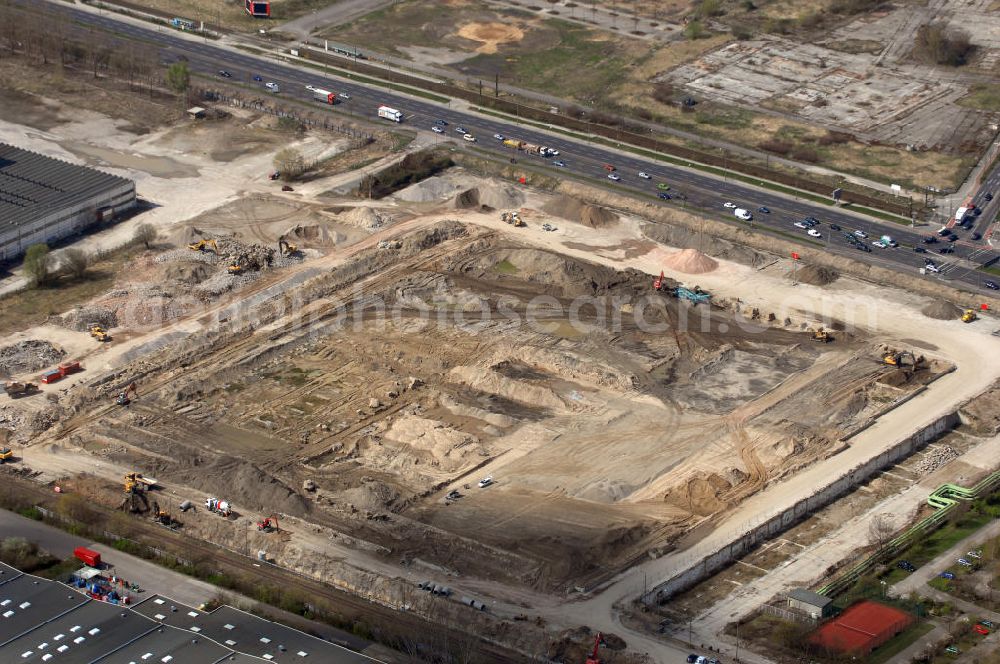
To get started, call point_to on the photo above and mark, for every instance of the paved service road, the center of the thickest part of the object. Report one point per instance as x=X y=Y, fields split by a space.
x=582 y=159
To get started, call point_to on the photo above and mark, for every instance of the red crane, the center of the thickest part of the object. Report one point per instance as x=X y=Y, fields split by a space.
x=658 y=282
x=598 y=641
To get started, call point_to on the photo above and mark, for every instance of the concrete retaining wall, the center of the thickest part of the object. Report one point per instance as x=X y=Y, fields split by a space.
x=713 y=562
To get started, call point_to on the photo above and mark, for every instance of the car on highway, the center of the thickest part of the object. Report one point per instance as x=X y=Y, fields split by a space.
x=461 y=130
x=931 y=267
x=344 y=95
x=225 y=74
x=947 y=575
x=988 y=196
x=729 y=205
x=920 y=250
x=663 y=186
x=801 y=224
x=257 y=78
x=469 y=137
x=880 y=244
x=952 y=238
x=743 y=214
x=930 y=240
x=763 y=210
x=664 y=196
x=437 y=130
x=443 y=123
x=861 y=234
x=560 y=163
x=812 y=220
x=498 y=137
x=992 y=285
x=979 y=629
x=813 y=232
x=553 y=152
x=614 y=176
x=272 y=86
x=311 y=88
x=834 y=227
x=943 y=231
x=645 y=176
x=863 y=247
x=948 y=249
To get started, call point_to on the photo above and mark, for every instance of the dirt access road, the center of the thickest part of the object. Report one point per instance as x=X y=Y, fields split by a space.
x=338 y=13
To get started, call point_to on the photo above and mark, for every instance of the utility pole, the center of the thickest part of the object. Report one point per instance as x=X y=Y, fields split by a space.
x=496 y=85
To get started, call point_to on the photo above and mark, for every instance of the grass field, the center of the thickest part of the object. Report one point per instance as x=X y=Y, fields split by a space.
x=984 y=96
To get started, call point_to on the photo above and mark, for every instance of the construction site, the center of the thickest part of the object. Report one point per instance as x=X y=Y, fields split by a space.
x=513 y=396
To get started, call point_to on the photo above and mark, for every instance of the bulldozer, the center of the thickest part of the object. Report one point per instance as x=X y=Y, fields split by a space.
x=969 y=316
x=235 y=268
x=99 y=332
x=16 y=389
x=6 y=455
x=286 y=248
x=822 y=336
x=203 y=244
x=512 y=218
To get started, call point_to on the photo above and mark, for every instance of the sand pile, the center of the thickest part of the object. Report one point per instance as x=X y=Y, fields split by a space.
x=245 y=485
x=941 y=310
x=364 y=217
x=690 y=261
x=28 y=355
x=816 y=275
x=572 y=209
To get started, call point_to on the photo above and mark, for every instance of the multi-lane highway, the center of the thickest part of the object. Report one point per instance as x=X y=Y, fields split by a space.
x=582 y=159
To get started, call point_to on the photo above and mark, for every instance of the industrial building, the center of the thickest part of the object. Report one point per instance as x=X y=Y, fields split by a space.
x=43 y=620
x=811 y=603
x=46 y=200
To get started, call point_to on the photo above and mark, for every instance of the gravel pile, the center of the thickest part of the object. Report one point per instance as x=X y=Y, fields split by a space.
x=935 y=458
x=29 y=355
x=82 y=318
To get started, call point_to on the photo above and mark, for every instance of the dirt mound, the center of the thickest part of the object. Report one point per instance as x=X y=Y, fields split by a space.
x=244 y=484
x=699 y=495
x=817 y=275
x=491 y=35
x=28 y=355
x=313 y=233
x=941 y=310
x=468 y=199
x=364 y=217
x=187 y=273
x=572 y=209
x=372 y=496
x=690 y=261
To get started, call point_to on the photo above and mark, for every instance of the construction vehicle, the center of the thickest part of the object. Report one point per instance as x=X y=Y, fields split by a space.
x=598 y=642
x=6 y=455
x=202 y=244
x=123 y=397
x=269 y=524
x=969 y=316
x=286 y=248
x=235 y=269
x=822 y=336
x=99 y=332
x=137 y=483
x=513 y=143
x=220 y=507
x=658 y=283
x=694 y=295
x=163 y=517
x=512 y=218
x=16 y=389
x=899 y=359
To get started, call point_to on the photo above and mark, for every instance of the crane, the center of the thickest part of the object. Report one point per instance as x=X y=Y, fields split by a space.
x=593 y=658
x=123 y=397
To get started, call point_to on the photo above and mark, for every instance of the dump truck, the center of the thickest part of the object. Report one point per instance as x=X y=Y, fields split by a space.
x=17 y=389
x=6 y=455
x=531 y=148
x=99 y=333
x=388 y=113
x=324 y=96
x=822 y=336
x=969 y=316
x=513 y=143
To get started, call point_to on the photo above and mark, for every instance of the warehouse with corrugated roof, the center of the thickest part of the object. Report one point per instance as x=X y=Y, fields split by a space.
x=46 y=200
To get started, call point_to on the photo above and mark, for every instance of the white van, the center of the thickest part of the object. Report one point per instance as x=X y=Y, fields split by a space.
x=743 y=214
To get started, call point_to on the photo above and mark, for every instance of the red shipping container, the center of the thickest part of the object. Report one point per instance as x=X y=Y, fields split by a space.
x=52 y=377
x=88 y=556
x=67 y=368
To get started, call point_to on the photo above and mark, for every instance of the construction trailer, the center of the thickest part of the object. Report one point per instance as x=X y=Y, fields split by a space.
x=258 y=8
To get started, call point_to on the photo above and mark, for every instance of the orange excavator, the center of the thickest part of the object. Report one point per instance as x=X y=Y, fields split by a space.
x=598 y=642
x=269 y=524
x=658 y=282
x=123 y=397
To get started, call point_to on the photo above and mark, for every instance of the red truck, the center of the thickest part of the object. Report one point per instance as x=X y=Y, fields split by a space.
x=87 y=556
x=65 y=369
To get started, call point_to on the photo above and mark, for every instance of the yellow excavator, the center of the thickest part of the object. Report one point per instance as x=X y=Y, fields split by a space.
x=235 y=269
x=899 y=359
x=969 y=316
x=512 y=218
x=286 y=248
x=202 y=244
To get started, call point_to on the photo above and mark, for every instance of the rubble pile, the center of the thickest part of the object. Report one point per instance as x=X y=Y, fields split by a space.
x=83 y=317
x=29 y=355
x=936 y=457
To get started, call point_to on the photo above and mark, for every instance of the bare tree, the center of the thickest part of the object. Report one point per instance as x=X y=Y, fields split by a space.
x=880 y=530
x=144 y=233
x=75 y=262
